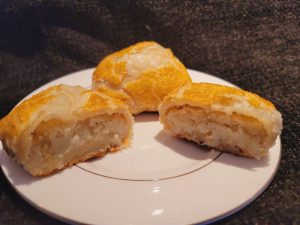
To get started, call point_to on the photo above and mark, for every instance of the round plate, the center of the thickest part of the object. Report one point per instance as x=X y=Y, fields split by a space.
x=158 y=180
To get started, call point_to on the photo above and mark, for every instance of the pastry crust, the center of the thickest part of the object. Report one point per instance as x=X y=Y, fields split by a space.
x=140 y=75
x=226 y=118
x=64 y=125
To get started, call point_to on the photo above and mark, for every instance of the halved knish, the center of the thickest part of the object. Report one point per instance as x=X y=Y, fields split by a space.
x=64 y=125
x=225 y=118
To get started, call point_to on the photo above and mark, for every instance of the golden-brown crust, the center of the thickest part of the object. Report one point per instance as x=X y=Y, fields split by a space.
x=142 y=92
x=12 y=124
x=209 y=94
x=113 y=72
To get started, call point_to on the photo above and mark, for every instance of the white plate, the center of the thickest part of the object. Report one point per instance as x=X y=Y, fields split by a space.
x=159 y=180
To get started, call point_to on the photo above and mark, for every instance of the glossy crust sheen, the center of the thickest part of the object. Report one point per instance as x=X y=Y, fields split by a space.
x=233 y=105
x=141 y=75
x=62 y=102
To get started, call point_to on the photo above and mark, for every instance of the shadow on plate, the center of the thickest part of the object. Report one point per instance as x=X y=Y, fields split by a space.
x=146 y=117
x=244 y=162
x=188 y=149
x=180 y=146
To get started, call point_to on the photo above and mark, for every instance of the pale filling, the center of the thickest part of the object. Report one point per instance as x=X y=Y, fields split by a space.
x=236 y=133
x=56 y=144
x=150 y=58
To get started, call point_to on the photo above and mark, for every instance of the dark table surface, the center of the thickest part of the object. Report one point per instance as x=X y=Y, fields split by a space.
x=253 y=44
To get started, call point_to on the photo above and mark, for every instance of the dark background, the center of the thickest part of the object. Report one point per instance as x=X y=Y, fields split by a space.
x=253 y=44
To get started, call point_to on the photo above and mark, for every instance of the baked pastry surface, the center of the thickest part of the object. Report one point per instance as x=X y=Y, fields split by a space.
x=140 y=75
x=64 y=125
x=225 y=118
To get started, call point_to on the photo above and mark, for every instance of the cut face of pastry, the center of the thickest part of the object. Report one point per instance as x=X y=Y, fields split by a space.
x=226 y=118
x=64 y=125
x=140 y=75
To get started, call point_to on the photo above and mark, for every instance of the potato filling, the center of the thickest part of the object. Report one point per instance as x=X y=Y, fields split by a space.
x=56 y=143
x=240 y=133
